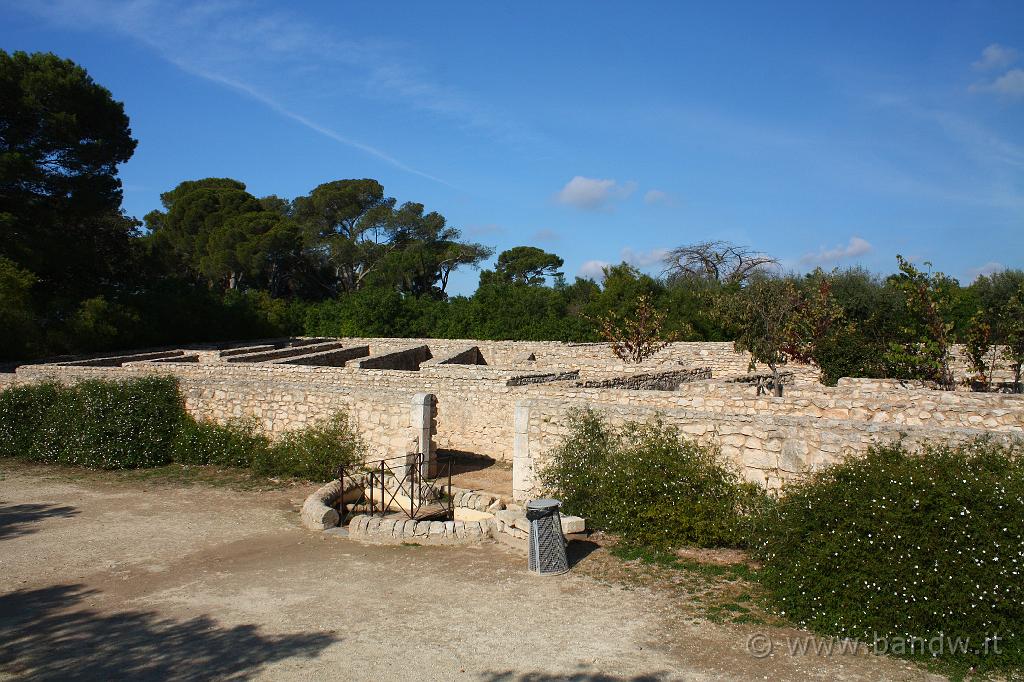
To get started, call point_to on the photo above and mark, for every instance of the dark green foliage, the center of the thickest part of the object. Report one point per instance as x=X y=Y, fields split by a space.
x=61 y=138
x=235 y=444
x=897 y=545
x=99 y=424
x=650 y=484
x=527 y=265
x=142 y=423
x=314 y=453
x=17 y=320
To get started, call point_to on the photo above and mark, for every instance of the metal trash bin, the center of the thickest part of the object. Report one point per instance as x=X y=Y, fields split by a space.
x=547 y=544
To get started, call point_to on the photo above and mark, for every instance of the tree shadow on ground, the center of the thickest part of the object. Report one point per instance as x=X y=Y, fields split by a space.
x=49 y=634
x=581 y=676
x=18 y=519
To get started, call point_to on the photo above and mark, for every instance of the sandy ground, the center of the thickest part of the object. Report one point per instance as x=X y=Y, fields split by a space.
x=106 y=580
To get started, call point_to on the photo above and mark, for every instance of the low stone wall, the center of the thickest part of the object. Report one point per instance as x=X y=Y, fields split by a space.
x=397 y=529
x=474 y=407
x=656 y=381
x=281 y=353
x=467 y=356
x=383 y=418
x=118 y=360
x=530 y=379
x=407 y=359
x=329 y=358
x=767 y=448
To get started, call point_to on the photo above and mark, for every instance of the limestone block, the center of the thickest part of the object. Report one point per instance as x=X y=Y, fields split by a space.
x=465 y=514
x=572 y=524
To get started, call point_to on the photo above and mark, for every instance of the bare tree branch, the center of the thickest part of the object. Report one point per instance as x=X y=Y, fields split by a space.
x=718 y=261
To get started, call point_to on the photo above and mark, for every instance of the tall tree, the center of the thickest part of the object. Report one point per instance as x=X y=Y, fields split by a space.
x=717 y=261
x=427 y=250
x=527 y=265
x=349 y=225
x=922 y=352
x=763 y=315
x=196 y=226
x=62 y=137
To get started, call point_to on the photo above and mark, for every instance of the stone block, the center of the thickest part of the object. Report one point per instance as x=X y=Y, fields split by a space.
x=573 y=524
x=466 y=514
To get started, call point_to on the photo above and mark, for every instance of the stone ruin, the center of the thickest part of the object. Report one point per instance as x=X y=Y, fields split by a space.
x=511 y=401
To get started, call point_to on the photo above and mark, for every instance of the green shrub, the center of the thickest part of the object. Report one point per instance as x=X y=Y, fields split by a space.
x=142 y=423
x=895 y=545
x=650 y=484
x=22 y=409
x=100 y=424
x=314 y=453
x=235 y=444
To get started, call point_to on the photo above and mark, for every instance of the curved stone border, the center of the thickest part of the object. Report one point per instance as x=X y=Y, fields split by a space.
x=399 y=530
x=478 y=516
x=318 y=512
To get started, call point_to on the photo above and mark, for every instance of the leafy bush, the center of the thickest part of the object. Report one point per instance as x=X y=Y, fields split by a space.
x=142 y=423
x=898 y=545
x=235 y=444
x=313 y=453
x=651 y=484
x=100 y=424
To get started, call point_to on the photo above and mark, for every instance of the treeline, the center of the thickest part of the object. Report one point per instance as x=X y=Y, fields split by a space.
x=215 y=262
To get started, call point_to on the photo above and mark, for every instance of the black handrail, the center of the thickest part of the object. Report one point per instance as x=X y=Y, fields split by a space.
x=429 y=496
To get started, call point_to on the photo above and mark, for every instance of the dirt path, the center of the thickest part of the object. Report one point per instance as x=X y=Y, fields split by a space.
x=113 y=580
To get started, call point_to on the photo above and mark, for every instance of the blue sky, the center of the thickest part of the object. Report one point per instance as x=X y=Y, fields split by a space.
x=825 y=134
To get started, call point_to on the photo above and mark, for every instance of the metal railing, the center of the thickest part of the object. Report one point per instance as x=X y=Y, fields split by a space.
x=403 y=484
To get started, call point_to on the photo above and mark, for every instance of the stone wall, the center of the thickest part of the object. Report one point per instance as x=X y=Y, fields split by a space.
x=767 y=448
x=474 y=407
x=384 y=418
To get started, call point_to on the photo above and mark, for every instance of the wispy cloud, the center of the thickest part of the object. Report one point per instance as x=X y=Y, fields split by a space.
x=278 y=60
x=855 y=248
x=312 y=125
x=655 y=197
x=593 y=194
x=644 y=259
x=593 y=269
x=1010 y=84
x=987 y=269
x=546 y=235
x=996 y=56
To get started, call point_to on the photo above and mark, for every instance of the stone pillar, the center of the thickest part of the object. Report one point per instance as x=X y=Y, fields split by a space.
x=424 y=425
x=522 y=463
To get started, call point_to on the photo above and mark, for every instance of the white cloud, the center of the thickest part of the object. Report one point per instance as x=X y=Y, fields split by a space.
x=854 y=248
x=593 y=194
x=655 y=197
x=1010 y=84
x=593 y=269
x=996 y=56
x=643 y=259
x=987 y=269
x=546 y=235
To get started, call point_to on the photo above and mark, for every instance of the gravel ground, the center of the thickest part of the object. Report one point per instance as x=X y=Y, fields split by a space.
x=104 y=579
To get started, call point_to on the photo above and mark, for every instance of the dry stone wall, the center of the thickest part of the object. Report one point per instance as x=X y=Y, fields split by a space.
x=767 y=448
x=473 y=407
